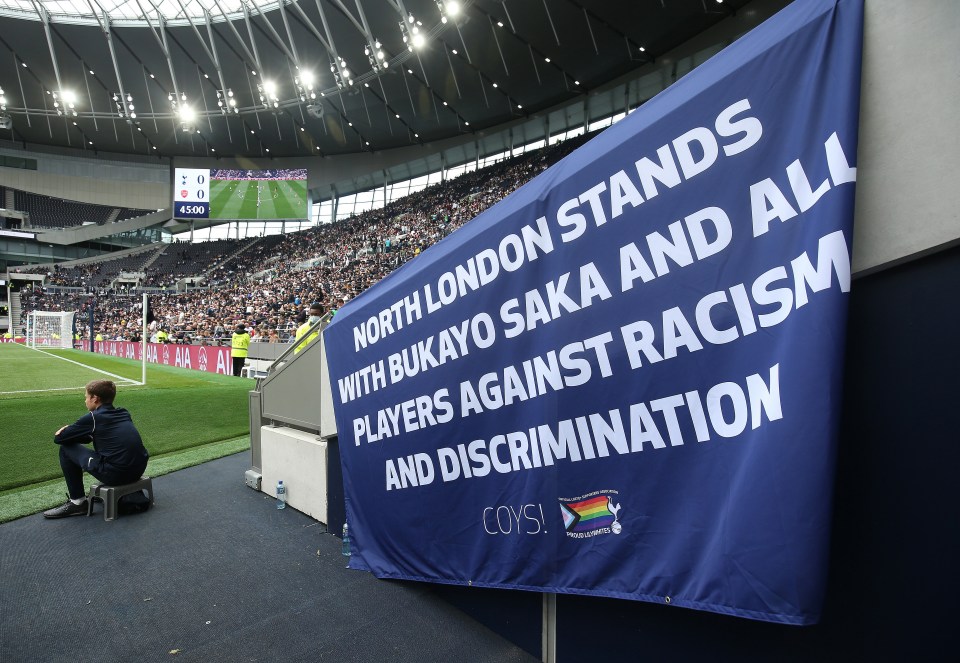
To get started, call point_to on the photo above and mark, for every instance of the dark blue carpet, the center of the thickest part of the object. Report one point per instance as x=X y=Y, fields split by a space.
x=214 y=572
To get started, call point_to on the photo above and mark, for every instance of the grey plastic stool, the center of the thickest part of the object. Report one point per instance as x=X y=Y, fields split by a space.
x=110 y=495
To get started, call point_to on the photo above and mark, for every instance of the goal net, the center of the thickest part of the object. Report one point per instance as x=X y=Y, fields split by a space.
x=50 y=329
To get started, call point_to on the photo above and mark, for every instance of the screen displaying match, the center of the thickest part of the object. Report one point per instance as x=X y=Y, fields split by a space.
x=245 y=195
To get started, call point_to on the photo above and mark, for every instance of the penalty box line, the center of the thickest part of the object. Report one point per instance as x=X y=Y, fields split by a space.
x=127 y=381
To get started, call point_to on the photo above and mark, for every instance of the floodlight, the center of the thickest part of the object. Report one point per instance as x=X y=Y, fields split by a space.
x=448 y=8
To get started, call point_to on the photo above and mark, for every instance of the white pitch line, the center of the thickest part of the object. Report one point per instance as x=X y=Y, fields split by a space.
x=98 y=370
x=37 y=391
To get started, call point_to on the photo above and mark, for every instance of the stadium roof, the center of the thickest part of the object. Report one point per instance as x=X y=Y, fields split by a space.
x=127 y=12
x=320 y=77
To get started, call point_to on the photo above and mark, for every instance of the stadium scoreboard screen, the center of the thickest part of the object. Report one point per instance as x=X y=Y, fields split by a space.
x=245 y=195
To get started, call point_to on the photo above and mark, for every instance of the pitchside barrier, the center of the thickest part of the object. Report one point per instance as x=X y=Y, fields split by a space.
x=293 y=433
x=209 y=358
x=197 y=357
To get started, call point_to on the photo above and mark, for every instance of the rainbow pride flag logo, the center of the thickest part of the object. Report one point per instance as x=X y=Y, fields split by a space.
x=596 y=514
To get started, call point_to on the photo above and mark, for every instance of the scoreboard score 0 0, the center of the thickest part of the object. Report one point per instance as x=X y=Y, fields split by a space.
x=191 y=193
x=235 y=194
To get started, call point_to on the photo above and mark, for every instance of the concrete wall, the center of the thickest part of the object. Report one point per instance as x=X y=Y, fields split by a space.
x=298 y=459
x=909 y=153
x=116 y=182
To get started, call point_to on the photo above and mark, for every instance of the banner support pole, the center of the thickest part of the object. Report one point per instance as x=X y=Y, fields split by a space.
x=548 y=638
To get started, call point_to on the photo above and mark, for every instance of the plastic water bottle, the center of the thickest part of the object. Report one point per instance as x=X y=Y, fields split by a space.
x=281 y=495
x=346 y=541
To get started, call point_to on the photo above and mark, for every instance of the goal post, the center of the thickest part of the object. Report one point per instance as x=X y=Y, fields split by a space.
x=50 y=329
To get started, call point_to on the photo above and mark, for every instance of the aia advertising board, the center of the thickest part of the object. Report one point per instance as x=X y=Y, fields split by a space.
x=197 y=357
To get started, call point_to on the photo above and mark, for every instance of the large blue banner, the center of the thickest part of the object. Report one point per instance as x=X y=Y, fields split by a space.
x=624 y=379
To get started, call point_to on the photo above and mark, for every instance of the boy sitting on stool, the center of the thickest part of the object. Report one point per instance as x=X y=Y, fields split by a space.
x=118 y=455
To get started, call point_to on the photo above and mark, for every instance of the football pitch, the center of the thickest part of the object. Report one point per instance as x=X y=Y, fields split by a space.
x=258 y=199
x=184 y=416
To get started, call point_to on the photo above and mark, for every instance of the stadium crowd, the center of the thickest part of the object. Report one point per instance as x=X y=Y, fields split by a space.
x=275 y=174
x=268 y=283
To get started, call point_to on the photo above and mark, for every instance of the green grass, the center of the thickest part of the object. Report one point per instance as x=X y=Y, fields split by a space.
x=237 y=199
x=27 y=500
x=178 y=409
x=25 y=370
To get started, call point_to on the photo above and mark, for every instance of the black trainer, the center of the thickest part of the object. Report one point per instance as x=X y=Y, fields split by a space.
x=66 y=510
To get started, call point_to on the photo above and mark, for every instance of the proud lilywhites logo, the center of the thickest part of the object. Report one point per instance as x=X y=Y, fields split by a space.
x=591 y=514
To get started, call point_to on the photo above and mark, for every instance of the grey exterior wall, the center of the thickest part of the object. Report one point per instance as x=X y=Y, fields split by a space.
x=909 y=154
x=119 y=182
